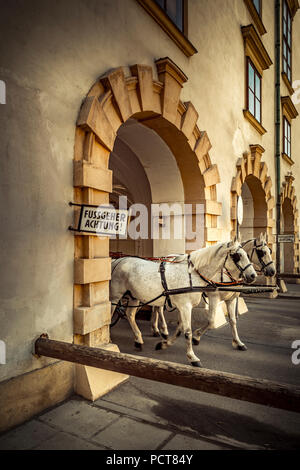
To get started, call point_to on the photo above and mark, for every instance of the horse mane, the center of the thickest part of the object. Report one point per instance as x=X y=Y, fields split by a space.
x=204 y=256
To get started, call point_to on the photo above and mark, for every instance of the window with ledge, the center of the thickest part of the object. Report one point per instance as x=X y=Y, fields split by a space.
x=175 y=11
x=253 y=91
x=286 y=137
x=255 y=10
x=257 y=60
x=289 y=112
x=257 y=5
x=171 y=15
x=287 y=41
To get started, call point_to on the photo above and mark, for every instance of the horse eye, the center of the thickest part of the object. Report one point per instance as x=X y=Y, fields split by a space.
x=260 y=253
x=236 y=257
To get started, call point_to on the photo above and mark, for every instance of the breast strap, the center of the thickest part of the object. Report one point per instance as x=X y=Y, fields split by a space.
x=162 y=270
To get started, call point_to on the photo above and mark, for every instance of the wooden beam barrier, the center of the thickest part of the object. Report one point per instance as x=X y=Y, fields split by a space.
x=263 y=392
x=289 y=275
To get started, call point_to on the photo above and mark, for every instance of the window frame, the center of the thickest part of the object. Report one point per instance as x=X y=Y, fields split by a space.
x=184 y=29
x=256 y=17
x=287 y=138
x=285 y=41
x=170 y=28
x=248 y=89
x=260 y=8
x=258 y=55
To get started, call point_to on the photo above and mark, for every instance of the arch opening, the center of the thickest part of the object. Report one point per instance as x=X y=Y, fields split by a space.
x=146 y=172
x=255 y=208
x=289 y=252
x=287 y=249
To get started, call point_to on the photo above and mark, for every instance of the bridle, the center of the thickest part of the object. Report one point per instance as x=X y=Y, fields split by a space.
x=259 y=253
x=236 y=257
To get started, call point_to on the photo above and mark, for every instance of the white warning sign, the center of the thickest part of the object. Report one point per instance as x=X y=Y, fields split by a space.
x=103 y=220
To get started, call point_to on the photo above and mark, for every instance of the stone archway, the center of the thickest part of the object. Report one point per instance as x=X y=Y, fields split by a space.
x=254 y=173
x=289 y=225
x=146 y=165
x=255 y=208
x=156 y=104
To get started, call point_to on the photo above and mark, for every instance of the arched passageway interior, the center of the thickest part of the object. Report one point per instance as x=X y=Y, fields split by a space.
x=145 y=170
x=287 y=249
x=255 y=208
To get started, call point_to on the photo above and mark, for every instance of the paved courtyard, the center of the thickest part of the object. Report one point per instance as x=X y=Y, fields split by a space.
x=146 y=415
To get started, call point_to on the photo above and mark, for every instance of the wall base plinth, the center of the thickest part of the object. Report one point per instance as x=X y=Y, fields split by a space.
x=92 y=383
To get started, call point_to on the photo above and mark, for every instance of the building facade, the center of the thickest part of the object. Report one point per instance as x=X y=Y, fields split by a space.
x=162 y=101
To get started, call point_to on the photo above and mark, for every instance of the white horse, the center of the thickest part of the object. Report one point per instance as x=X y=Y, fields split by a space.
x=142 y=281
x=260 y=255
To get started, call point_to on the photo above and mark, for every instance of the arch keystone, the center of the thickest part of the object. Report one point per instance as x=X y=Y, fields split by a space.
x=256 y=153
x=173 y=79
x=144 y=75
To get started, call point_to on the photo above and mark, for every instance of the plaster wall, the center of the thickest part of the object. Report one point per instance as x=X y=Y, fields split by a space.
x=50 y=57
x=295 y=126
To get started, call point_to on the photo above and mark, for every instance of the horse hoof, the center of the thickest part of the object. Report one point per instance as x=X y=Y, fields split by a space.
x=158 y=346
x=196 y=364
x=138 y=346
x=242 y=347
x=155 y=334
x=164 y=336
x=196 y=341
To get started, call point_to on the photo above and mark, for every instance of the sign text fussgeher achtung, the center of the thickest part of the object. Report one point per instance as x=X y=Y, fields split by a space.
x=103 y=220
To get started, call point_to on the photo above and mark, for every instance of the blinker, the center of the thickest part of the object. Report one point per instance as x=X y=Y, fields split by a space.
x=236 y=257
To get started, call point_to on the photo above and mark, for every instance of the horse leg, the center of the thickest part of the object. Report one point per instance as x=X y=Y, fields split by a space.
x=154 y=321
x=114 y=303
x=169 y=341
x=130 y=314
x=184 y=324
x=186 y=319
x=209 y=321
x=163 y=323
x=236 y=342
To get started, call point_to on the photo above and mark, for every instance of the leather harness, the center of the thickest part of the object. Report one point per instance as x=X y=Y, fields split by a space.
x=209 y=282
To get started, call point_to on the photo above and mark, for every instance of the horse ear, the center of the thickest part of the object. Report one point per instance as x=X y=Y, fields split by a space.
x=261 y=237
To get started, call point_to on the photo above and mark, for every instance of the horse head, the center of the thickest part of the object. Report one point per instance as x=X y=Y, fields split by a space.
x=237 y=260
x=263 y=255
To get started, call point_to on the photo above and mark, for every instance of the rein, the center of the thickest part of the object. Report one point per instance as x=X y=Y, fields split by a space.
x=211 y=285
x=233 y=281
x=259 y=253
